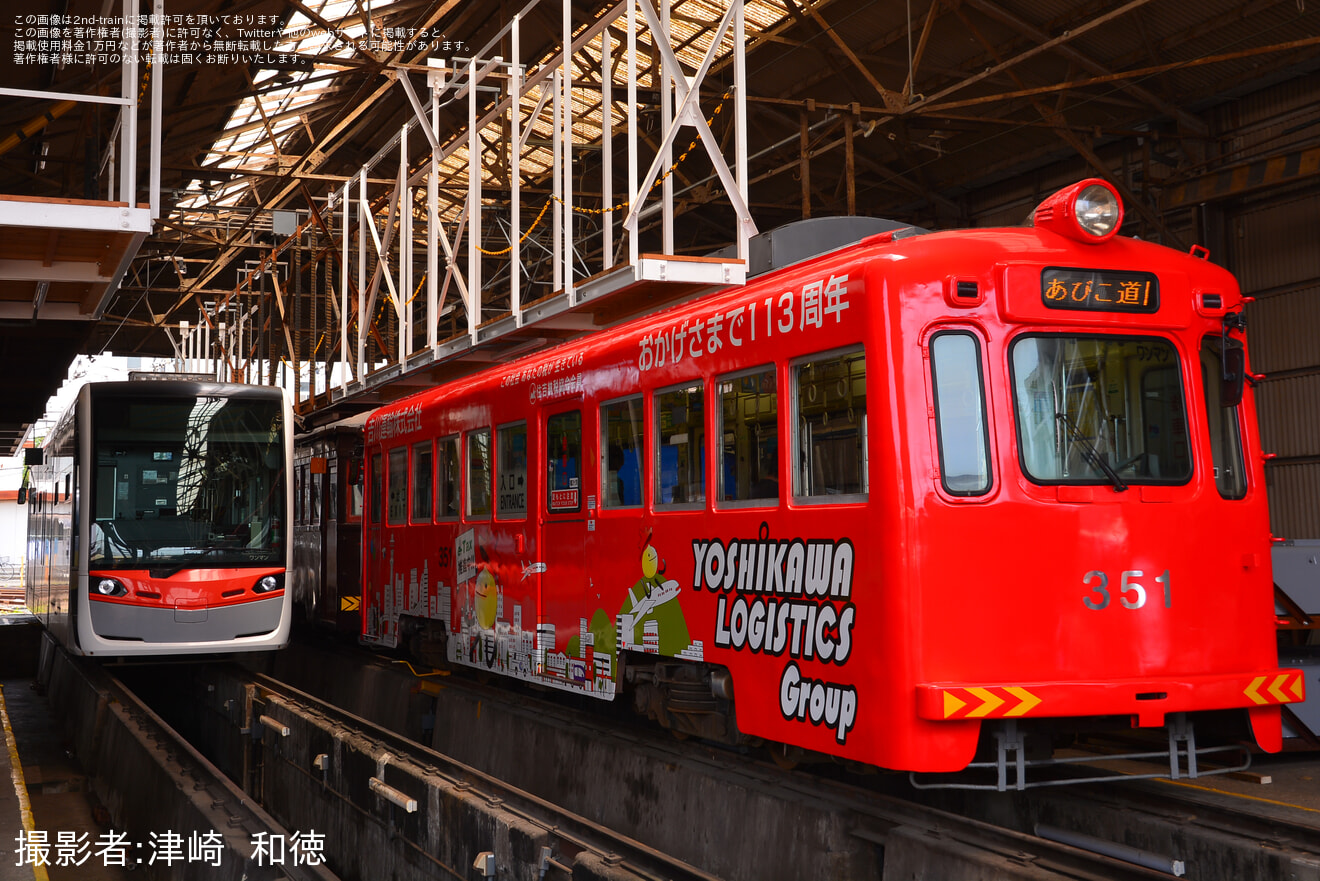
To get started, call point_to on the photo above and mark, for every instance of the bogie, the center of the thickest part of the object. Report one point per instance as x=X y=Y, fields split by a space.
x=684 y=697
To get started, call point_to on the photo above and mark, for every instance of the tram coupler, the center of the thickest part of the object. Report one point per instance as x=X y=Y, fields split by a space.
x=1181 y=732
x=1010 y=740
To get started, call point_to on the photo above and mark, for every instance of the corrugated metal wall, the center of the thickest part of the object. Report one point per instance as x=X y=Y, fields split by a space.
x=1267 y=121
x=1278 y=245
x=1293 y=490
x=1277 y=346
x=1276 y=256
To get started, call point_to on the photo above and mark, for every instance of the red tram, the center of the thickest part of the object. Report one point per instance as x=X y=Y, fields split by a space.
x=876 y=501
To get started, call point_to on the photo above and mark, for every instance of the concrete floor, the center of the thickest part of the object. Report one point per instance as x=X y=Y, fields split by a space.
x=1288 y=780
x=58 y=803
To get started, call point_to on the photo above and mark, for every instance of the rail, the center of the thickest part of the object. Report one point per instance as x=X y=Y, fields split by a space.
x=156 y=784
x=864 y=829
x=371 y=776
x=572 y=839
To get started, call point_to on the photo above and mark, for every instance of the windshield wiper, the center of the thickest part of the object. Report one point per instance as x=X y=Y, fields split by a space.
x=1091 y=454
x=188 y=561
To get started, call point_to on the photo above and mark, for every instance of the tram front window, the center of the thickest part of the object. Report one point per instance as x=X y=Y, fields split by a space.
x=184 y=483
x=1097 y=410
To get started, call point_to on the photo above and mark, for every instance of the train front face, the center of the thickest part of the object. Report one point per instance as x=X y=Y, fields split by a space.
x=1095 y=549
x=186 y=513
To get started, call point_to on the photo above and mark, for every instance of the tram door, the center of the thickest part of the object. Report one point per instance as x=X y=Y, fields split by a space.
x=373 y=581
x=563 y=634
x=343 y=534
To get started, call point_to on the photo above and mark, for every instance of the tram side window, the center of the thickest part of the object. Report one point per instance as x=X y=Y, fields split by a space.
x=563 y=450
x=421 y=482
x=397 y=512
x=310 y=501
x=960 y=422
x=447 y=482
x=314 y=483
x=376 y=486
x=749 y=436
x=680 y=473
x=830 y=446
x=479 y=473
x=352 y=478
x=621 y=453
x=299 y=483
x=331 y=491
x=511 y=470
x=1225 y=431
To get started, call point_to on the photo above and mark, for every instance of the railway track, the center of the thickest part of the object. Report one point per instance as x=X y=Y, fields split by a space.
x=156 y=785
x=406 y=781
x=879 y=820
x=1212 y=832
x=869 y=831
x=679 y=810
x=572 y=840
x=12 y=597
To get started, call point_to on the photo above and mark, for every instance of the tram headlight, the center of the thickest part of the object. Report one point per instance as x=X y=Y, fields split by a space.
x=268 y=583
x=1088 y=211
x=1097 y=211
x=109 y=587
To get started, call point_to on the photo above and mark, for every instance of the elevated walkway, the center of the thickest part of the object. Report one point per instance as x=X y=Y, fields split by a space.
x=62 y=259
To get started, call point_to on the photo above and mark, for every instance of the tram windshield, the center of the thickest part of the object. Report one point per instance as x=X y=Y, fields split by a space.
x=1096 y=410
x=186 y=483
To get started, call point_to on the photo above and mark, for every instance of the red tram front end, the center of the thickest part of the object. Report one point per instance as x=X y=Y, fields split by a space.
x=1093 y=539
x=863 y=505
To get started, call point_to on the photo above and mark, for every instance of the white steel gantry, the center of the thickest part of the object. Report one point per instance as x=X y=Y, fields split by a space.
x=473 y=245
x=531 y=120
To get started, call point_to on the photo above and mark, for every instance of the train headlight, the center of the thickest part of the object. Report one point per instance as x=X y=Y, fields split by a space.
x=1088 y=211
x=268 y=583
x=109 y=587
x=1097 y=211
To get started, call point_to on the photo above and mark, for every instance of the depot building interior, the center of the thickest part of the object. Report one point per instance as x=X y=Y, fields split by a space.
x=283 y=191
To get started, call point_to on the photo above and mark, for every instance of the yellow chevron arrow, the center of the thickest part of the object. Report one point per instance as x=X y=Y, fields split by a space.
x=952 y=704
x=1276 y=690
x=1028 y=700
x=991 y=702
x=1298 y=691
x=1251 y=690
x=348 y=604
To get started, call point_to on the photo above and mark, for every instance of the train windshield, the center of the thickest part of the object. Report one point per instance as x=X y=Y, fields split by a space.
x=186 y=483
x=1096 y=410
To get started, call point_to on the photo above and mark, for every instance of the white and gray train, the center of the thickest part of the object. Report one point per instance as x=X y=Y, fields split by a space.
x=158 y=520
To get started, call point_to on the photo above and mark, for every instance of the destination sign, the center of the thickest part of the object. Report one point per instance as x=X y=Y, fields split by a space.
x=1099 y=290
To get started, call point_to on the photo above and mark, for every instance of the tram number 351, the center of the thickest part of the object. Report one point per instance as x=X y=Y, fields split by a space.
x=1132 y=593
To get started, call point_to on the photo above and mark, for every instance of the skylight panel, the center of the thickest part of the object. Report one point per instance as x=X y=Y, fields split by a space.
x=261 y=130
